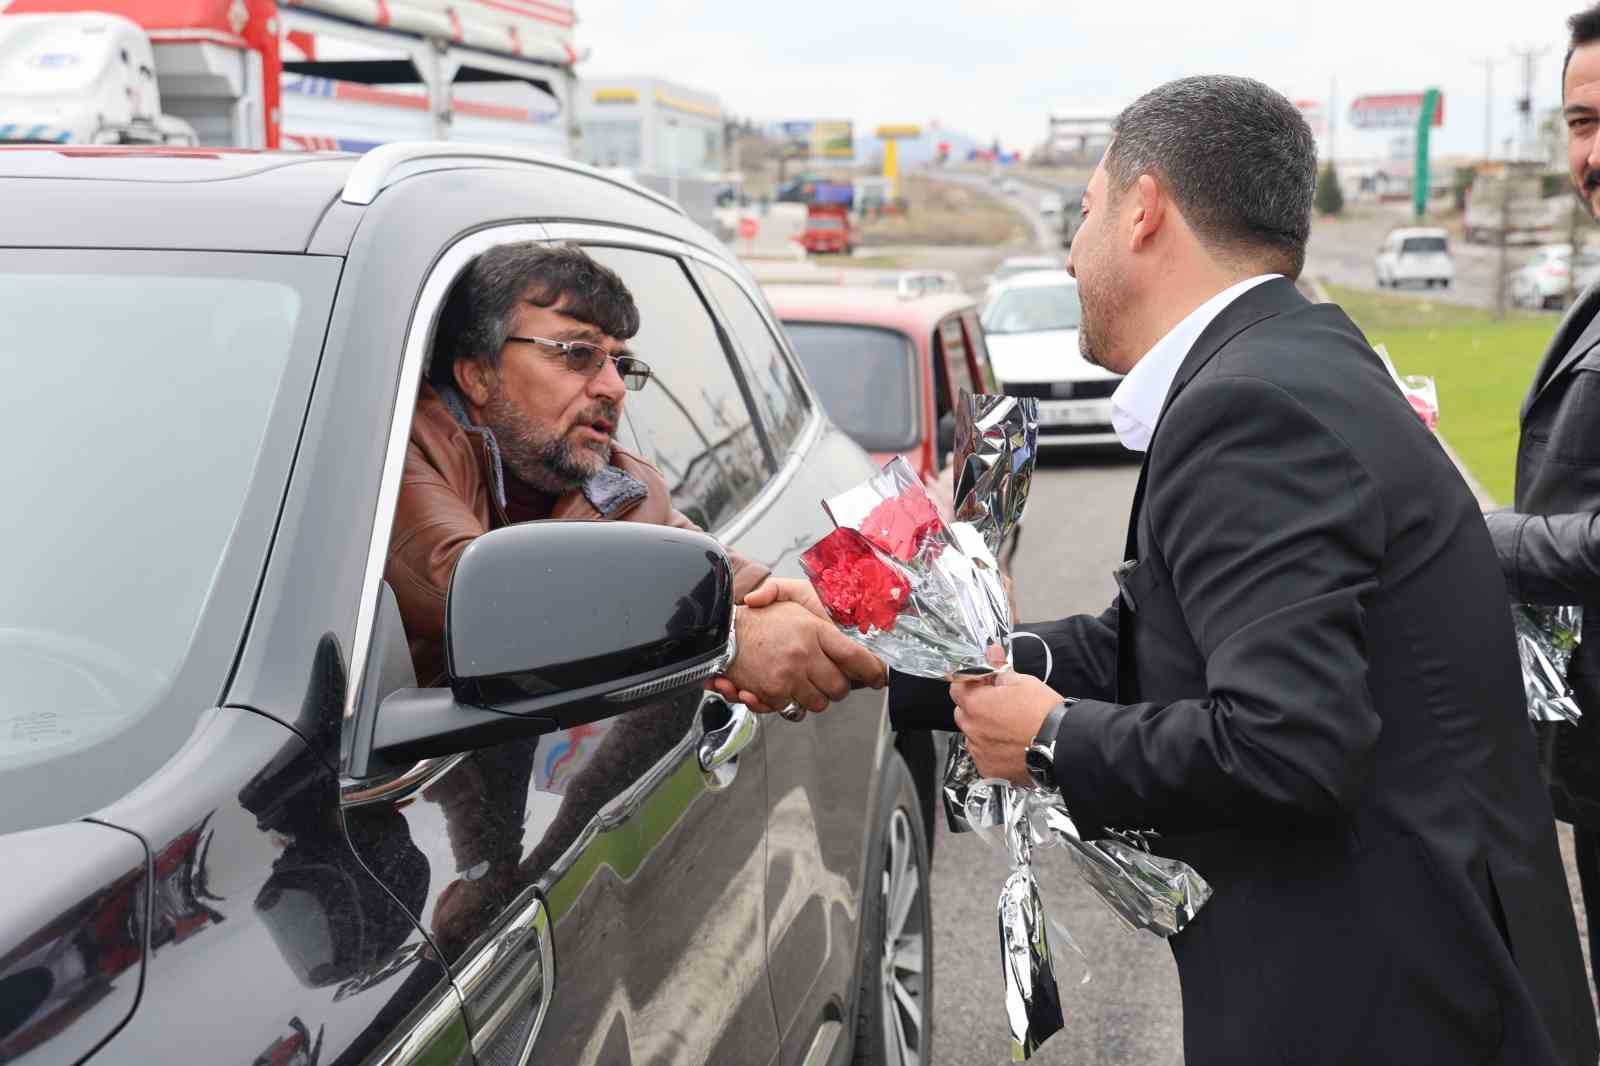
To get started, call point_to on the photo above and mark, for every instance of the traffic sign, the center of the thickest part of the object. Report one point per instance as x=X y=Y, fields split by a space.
x=748 y=229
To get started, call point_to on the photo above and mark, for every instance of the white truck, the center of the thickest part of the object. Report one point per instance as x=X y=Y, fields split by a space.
x=310 y=74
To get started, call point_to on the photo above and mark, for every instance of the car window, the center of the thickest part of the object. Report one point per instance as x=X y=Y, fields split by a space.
x=778 y=394
x=691 y=420
x=1423 y=246
x=103 y=583
x=867 y=379
x=954 y=343
x=980 y=350
x=1036 y=308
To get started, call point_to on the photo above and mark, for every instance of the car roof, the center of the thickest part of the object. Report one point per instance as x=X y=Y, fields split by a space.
x=865 y=306
x=1036 y=279
x=1419 y=231
x=1025 y=260
x=218 y=199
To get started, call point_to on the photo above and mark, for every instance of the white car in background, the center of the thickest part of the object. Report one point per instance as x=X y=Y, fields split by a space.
x=1415 y=255
x=1544 y=280
x=1031 y=324
x=1051 y=205
x=1015 y=265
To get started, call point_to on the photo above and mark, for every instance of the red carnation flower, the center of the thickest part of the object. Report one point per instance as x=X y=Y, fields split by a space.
x=903 y=524
x=856 y=587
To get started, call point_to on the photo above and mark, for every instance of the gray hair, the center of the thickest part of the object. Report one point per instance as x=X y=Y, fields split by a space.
x=1237 y=157
x=476 y=319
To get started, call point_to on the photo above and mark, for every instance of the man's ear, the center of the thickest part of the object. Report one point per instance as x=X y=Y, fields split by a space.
x=1149 y=212
x=474 y=377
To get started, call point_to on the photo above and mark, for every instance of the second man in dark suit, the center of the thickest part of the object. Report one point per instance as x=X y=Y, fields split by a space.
x=1549 y=544
x=1307 y=685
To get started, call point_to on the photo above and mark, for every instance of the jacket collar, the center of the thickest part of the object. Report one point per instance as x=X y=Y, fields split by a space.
x=1579 y=331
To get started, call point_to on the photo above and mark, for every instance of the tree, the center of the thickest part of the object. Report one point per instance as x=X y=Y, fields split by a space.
x=1330 y=198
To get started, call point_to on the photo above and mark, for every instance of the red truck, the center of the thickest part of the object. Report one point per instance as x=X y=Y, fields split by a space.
x=827 y=229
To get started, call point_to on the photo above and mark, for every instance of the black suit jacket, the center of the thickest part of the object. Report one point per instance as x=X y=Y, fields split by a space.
x=1550 y=546
x=1308 y=687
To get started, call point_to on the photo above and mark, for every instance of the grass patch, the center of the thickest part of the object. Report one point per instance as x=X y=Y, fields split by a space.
x=1482 y=368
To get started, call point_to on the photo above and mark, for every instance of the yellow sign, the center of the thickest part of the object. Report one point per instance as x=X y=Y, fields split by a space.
x=616 y=96
x=690 y=107
x=898 y=132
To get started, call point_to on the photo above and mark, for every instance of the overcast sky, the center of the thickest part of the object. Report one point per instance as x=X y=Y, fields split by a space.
x=994 y=68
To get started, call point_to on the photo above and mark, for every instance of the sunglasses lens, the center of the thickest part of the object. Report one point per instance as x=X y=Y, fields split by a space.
x=634 y=373
x=585 y=358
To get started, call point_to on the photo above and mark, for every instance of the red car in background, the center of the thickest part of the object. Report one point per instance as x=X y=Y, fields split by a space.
x=827 y=229
x=889 y=366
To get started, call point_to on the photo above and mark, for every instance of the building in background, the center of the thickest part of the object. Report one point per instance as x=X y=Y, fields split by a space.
x=650 y=126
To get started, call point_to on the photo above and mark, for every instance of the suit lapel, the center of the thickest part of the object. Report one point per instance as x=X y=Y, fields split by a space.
x=1267 y=300
x=1564 y=350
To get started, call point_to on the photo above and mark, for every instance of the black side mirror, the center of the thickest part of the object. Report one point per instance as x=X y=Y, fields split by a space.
x=553 y=624
x=946 y=442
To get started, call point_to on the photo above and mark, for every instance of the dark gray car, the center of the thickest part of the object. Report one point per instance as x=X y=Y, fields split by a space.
x=232 y=828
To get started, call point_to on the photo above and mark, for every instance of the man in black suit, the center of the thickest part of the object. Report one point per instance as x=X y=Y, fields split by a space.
x=1549 y=543
x=1307 y=685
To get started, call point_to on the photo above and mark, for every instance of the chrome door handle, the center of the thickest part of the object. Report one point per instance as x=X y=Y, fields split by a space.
x=720 y=746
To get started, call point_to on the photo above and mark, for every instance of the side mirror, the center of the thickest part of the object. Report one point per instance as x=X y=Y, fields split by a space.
x=553 y=624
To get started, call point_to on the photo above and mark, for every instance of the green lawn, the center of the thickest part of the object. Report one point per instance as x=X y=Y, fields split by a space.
x=1482 y=368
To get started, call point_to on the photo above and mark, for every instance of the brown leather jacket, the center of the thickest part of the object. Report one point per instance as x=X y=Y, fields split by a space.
x=453 y=490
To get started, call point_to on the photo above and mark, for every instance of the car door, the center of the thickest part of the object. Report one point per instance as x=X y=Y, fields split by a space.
x=598 y=892
x=822 y=771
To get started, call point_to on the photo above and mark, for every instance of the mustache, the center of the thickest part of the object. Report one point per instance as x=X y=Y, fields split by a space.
x=601 y=411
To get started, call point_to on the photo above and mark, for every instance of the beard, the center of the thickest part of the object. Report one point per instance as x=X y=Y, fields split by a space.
x=1097 y=331
x=541 y=458
x=1587 y=190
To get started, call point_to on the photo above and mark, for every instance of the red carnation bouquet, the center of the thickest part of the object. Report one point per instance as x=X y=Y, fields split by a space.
x=926 y=597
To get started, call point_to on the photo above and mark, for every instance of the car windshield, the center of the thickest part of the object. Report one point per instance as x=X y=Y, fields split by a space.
x=1032 y=309
x=1423 y=245
x=139 y=389
x=824 y=223
x=867 y=377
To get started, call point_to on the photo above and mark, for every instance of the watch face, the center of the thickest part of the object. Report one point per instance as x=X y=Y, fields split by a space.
x=1040 y=768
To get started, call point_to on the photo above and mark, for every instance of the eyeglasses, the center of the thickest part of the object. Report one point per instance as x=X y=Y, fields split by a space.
x=584 y=358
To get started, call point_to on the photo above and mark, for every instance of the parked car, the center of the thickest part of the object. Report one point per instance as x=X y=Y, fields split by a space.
x=1013 y=265
x=910 y=283
x=1544 y=280
x=1031 y=323
x=234 y=829
x=1415 y=255
x=827 y=230
x=889 y=368
x=1011 y=187
x=1051 y=206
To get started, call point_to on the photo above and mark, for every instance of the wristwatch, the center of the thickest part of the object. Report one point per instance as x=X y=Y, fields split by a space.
x=1041 y=754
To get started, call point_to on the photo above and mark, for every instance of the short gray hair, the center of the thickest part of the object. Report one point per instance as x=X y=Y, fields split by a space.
x=1237 y=157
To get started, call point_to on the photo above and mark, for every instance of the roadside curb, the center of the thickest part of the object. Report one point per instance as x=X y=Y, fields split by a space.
x=1316 y=292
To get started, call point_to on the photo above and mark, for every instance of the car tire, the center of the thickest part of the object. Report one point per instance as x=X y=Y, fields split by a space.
x=894 y=971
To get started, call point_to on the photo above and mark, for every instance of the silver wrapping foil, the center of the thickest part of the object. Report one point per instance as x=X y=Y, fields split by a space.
x=1144 y=890
x=1033 y=1002
x=1546 y=639
x=997 y=446
x=996 y=449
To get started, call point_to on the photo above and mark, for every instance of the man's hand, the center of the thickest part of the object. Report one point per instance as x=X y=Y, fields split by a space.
x=1000 y=716
x=789 y=655
x=787 y=590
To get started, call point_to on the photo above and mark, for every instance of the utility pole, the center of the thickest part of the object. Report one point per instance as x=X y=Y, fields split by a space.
x=1530 y=63
x=1488 y=107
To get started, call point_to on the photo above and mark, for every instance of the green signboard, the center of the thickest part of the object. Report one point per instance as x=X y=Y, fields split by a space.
x=1425 y=122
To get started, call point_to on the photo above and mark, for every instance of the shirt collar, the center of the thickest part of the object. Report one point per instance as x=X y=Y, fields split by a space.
x=1136 y=405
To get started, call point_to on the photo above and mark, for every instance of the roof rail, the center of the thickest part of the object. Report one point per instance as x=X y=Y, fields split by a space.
x=389 y=163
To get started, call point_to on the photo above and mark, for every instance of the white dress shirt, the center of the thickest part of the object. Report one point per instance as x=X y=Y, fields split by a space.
x=1136 y=405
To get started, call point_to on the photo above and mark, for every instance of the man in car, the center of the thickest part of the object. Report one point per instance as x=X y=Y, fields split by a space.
x=517 y=422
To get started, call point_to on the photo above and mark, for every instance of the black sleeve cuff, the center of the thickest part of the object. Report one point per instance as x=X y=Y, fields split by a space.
x=920 y=703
